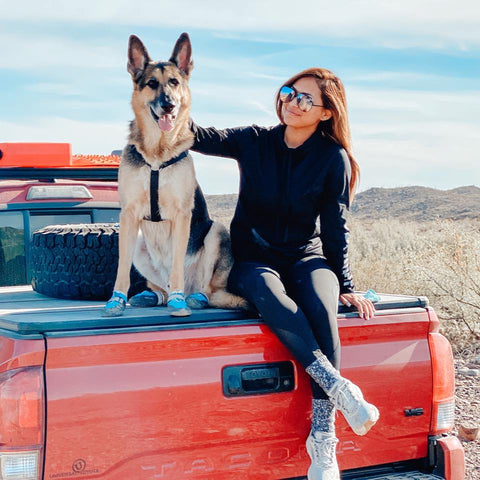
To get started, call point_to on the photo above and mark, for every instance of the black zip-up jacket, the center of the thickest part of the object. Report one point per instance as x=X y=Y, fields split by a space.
x=282 y=193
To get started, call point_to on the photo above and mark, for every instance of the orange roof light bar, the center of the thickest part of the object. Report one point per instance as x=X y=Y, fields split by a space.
x=50 y=155
x=35 y=154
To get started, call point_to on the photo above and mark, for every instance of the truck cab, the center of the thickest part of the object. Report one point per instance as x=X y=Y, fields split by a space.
x=44 y=184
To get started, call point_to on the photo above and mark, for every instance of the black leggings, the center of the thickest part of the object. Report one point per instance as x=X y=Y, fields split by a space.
x=299 y=301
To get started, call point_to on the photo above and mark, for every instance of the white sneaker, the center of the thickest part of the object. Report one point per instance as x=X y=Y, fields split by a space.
x=321 y=448
x=348 y=398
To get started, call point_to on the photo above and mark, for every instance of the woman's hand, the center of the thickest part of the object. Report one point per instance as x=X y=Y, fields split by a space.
x=365 y=307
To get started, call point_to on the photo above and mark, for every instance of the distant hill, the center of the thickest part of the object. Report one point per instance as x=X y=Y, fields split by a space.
x=406 y=203
x=418 y=203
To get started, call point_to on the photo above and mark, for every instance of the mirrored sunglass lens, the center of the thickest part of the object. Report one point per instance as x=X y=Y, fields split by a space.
x=304 y=102
x=286 y=94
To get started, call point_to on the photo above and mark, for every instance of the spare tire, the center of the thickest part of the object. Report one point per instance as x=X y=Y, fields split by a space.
x=78 y=261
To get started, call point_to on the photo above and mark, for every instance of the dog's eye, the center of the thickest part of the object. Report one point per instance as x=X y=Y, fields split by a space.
x=153 y=84
x=173 y=81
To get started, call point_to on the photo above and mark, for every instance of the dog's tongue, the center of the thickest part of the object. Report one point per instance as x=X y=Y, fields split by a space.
x=165 y=122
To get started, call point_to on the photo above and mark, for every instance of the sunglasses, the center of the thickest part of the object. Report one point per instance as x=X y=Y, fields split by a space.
x=304 y=100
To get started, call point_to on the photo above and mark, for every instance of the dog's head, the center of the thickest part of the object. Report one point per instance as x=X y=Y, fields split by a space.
x=160 y=88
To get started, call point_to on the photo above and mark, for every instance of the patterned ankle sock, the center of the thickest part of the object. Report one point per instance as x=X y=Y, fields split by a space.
x=322 y=371
x=323 y=416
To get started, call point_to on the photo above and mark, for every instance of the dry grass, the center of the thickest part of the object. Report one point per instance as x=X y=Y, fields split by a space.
x=439 y=259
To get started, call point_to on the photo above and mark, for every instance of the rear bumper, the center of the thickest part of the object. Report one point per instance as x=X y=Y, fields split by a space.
x=405 y=476
x=413 y=475
x=450 y=458
x=446 y=461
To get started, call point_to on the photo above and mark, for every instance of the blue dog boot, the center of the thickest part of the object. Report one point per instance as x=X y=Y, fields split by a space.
x=178 y=305
x=372 y=296
x=197 y=300
x=116 y=305
x=147 y=299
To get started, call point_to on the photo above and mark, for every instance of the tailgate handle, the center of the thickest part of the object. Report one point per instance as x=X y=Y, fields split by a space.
x=243 y=380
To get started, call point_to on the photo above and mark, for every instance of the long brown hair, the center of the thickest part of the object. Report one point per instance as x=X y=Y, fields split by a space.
x=337 y=127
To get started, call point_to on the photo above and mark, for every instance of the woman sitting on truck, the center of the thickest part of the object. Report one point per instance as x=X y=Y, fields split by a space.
x=291 y=175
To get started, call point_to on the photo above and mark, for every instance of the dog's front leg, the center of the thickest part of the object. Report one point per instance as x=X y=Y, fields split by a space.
x=129 y=225
x=180 y=236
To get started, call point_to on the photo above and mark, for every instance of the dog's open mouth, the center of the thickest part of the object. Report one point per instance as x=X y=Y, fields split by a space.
x=165 y=122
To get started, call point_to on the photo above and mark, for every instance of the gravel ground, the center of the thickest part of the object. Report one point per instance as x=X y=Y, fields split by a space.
x=467 y=410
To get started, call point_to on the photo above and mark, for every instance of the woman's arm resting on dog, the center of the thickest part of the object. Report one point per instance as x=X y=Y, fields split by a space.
x=222 y=143
x=334 y=203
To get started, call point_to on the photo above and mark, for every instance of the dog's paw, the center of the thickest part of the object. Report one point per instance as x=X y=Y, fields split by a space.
x=146 y=299
x=197 y=300
x=178 y=305
x=115 y=306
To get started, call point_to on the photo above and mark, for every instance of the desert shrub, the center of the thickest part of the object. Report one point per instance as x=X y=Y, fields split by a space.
x=438 y=259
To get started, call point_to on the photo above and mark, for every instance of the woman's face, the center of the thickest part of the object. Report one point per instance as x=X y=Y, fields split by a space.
x=294 y=117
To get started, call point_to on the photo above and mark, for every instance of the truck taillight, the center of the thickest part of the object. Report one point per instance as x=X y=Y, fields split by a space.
x=21 y=423
x=443 y=411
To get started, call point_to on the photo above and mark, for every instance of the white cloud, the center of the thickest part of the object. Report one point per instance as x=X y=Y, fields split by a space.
x=216 y=175
x=405 y=137
x=85 y=137
x=388 y=76
x=425 y=23
x=264 y=108
x=255 y=102
x=61 y=89
x=446 y=160
x=411 y=106
x=39 y=50
x=276 y=78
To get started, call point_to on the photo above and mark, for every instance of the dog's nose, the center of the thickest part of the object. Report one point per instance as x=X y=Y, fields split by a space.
x=167 y=107
x=165 y=102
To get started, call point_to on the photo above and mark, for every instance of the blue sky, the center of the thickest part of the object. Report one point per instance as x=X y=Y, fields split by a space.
x=411 y=70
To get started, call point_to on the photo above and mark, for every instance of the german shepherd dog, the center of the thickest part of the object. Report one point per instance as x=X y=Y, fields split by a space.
x=165 y=228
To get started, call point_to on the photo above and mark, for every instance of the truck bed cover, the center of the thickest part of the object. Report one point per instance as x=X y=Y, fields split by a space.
x=27 y=312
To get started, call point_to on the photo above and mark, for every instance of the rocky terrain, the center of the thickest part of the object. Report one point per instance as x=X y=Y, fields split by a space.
x=467 y=411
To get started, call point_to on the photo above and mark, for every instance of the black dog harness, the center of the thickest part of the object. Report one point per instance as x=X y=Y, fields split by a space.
x=154 y=207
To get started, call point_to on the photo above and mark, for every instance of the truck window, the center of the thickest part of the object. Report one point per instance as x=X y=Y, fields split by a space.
x=12 y=249
x=106 y=215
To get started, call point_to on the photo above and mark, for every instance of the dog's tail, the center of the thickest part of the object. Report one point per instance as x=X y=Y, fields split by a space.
x=224 y=299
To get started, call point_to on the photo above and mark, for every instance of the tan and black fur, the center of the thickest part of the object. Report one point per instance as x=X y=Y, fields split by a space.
x=185 y=251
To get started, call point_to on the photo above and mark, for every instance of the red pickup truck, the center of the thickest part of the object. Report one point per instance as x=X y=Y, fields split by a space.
x=214 y=396
x=211 y=396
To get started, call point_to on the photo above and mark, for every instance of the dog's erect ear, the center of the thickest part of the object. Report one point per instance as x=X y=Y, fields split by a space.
x=138 y=57
x=182 y=54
